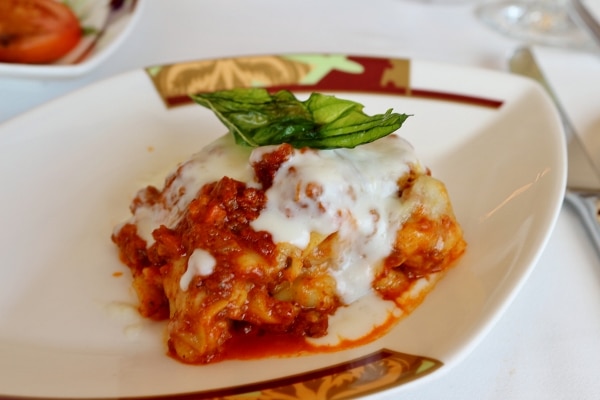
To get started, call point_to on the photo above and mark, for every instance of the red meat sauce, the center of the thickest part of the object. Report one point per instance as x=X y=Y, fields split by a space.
x=219 y=219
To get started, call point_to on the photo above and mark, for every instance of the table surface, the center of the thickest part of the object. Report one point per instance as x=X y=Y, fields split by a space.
x=547 y=344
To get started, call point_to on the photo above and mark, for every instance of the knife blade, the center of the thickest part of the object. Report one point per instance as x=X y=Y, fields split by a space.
x=583 y=180
x=586 y=20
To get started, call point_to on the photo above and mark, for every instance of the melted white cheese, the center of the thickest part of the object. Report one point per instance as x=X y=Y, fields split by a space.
x=220 y=158
x=356 y=196
x=371 y=310
x=350 y=191
x=200 y=263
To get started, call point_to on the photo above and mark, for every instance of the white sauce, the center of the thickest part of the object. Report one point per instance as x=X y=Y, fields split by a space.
x=357 y=198
x=127 y=313
x=220 y=158
x=200 y=263
x=371 y=310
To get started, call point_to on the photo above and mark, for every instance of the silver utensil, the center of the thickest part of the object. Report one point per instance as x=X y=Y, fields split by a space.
x=586 y=20
x=583 y=181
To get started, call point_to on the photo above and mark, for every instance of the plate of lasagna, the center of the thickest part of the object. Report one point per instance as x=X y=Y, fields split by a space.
x=267 y=227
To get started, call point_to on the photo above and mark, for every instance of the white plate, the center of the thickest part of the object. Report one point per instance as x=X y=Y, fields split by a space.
x=69 y=169
x=108 y=27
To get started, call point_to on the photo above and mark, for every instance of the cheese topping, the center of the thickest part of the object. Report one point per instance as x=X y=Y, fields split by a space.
x=200 y=263
x=350 y=191
x=220 y=158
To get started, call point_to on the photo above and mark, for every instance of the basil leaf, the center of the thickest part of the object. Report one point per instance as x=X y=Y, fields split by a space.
x=256 y=118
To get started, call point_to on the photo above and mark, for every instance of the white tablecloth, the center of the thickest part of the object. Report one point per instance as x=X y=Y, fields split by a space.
x=547 y=345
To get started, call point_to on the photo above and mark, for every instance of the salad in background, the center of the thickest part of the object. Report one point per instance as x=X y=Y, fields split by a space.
x=55 y=32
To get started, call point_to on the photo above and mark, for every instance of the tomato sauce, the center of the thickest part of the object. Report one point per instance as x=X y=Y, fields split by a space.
x=247 y=346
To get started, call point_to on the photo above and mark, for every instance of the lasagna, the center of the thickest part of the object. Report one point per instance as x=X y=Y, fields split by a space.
x=279 y=243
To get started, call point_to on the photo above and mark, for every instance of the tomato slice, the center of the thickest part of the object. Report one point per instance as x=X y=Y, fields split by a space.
x=36 y=31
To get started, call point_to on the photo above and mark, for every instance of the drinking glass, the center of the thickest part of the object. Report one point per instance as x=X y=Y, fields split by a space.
x=545 y=22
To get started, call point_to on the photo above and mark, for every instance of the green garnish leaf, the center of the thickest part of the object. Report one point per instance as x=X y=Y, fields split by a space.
x=257 y=118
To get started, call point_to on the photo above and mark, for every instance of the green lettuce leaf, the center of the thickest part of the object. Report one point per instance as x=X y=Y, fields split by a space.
x=257 y=118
